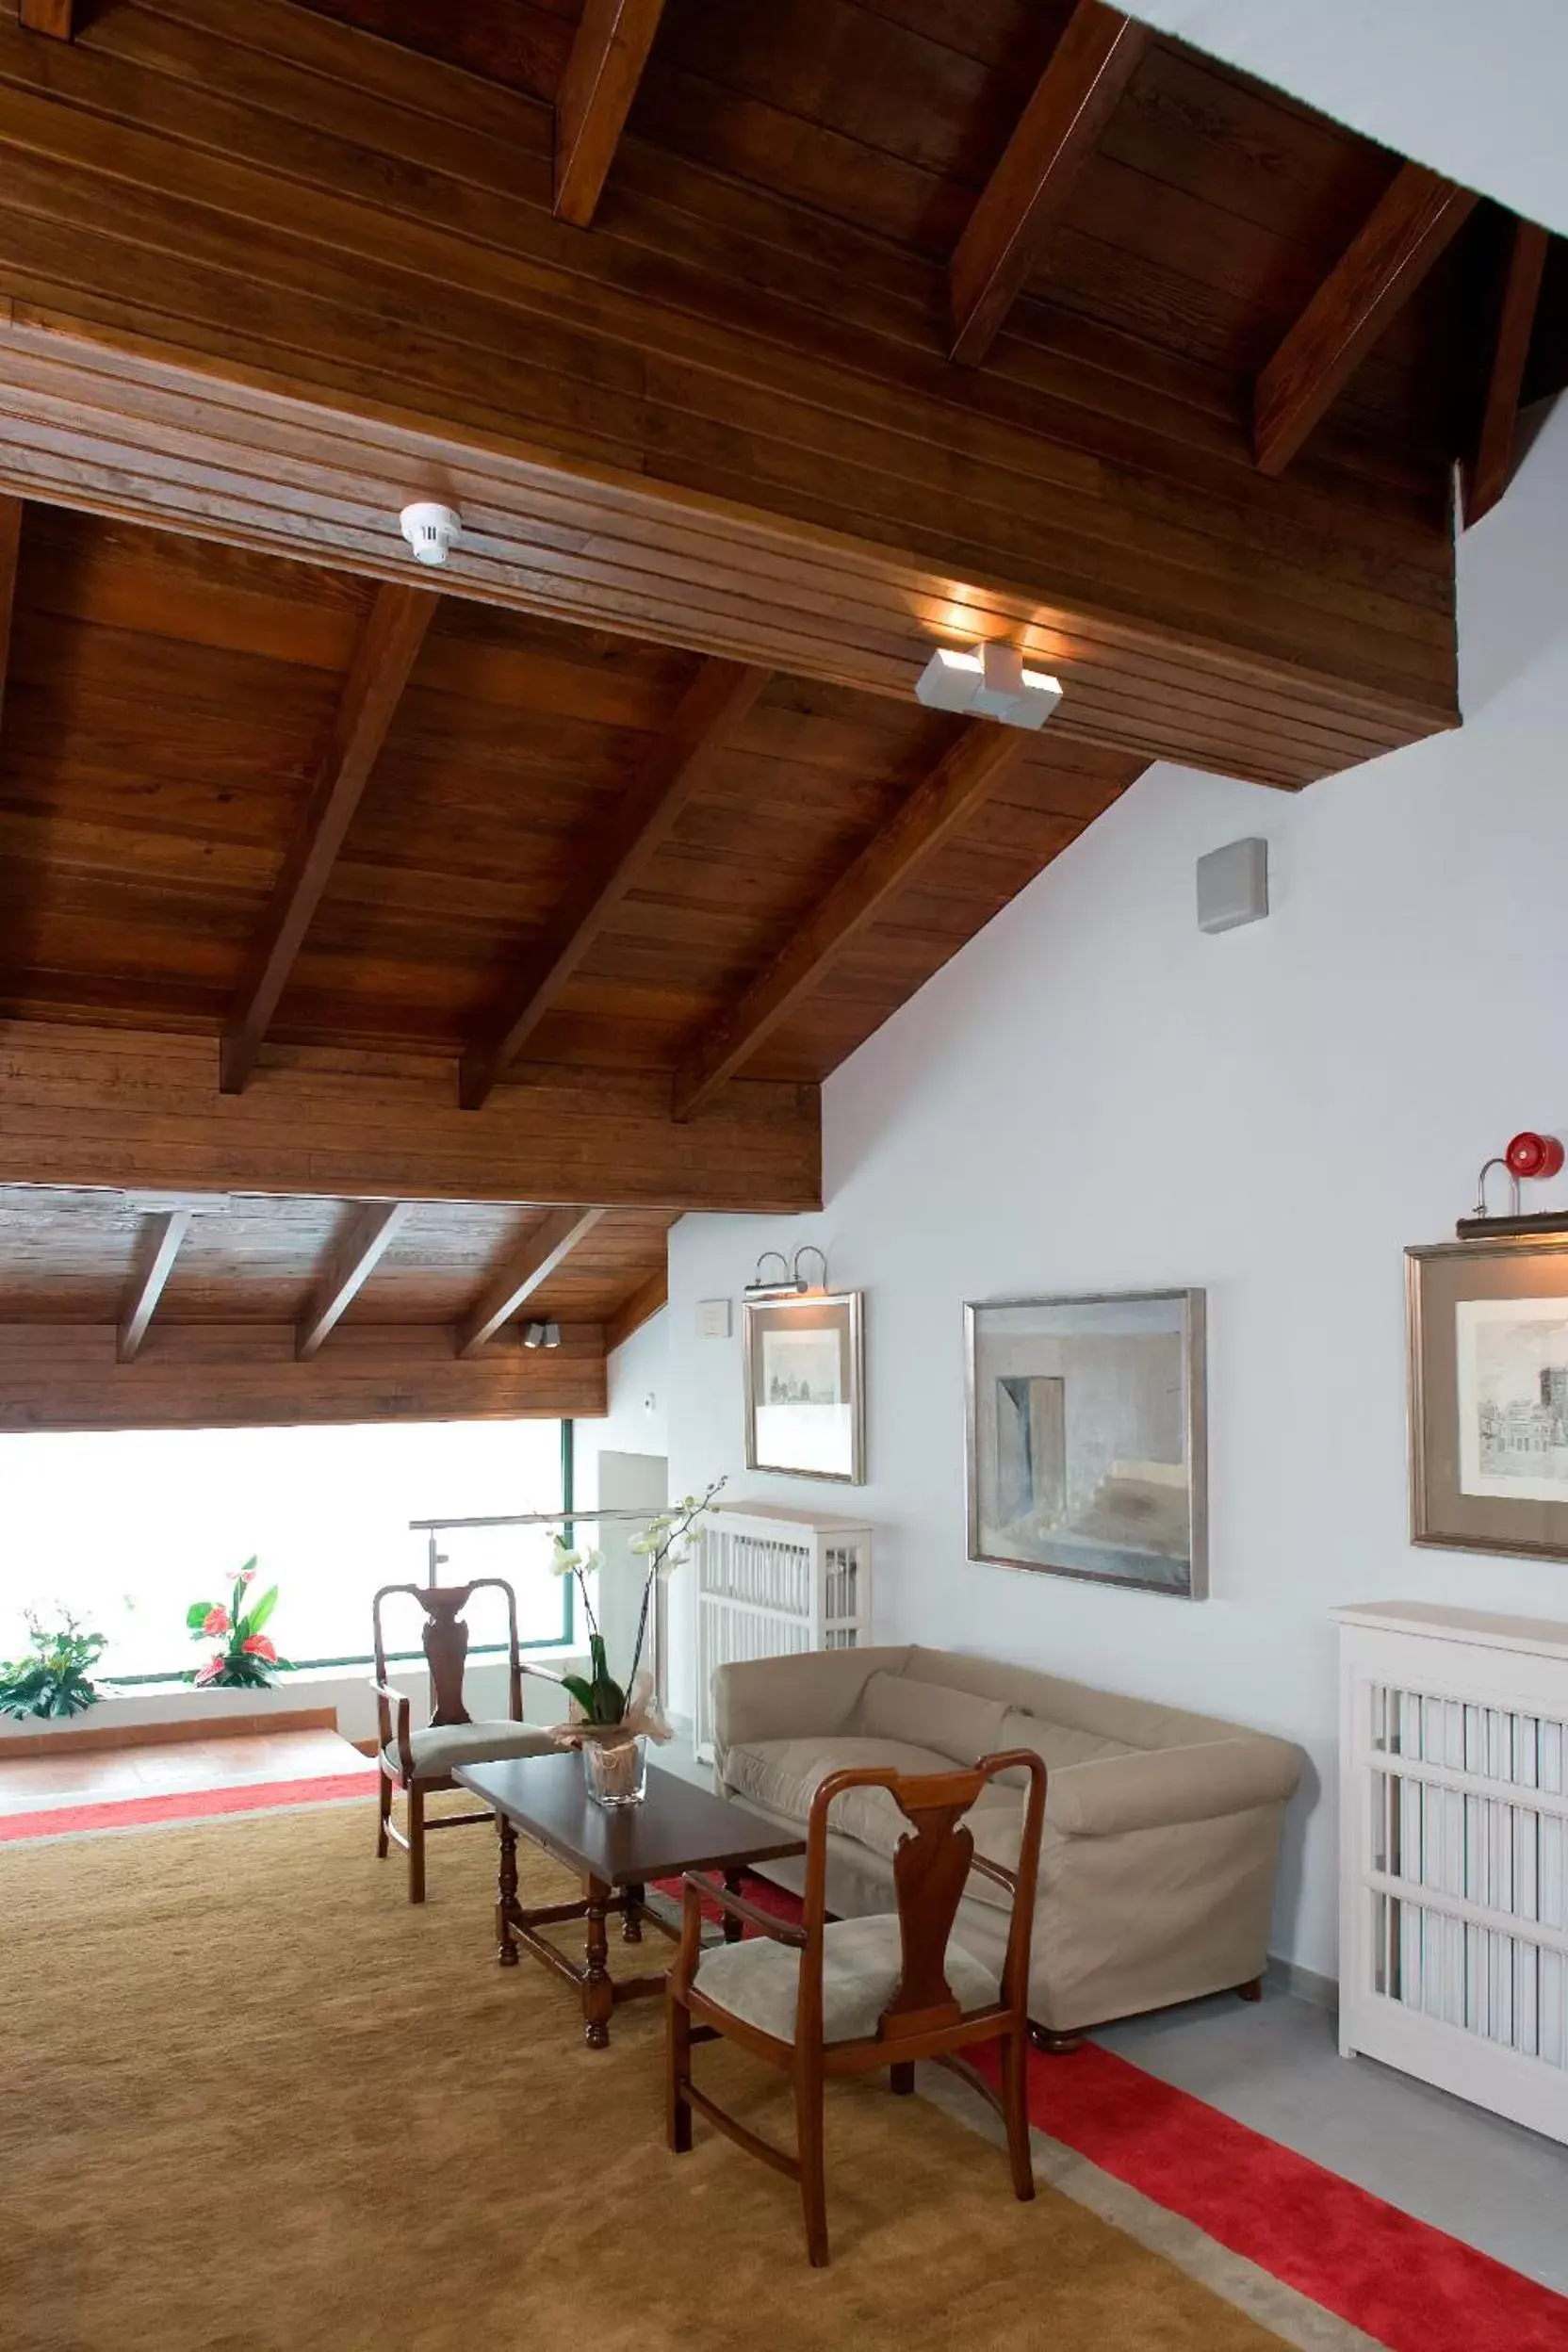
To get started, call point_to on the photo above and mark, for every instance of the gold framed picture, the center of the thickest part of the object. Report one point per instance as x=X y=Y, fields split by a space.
x=1488 y=1334
x=806 y=1387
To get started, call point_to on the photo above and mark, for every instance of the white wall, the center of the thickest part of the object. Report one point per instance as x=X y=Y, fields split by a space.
x=1475 y=93
x=638 y=1419
x=1094 y=1096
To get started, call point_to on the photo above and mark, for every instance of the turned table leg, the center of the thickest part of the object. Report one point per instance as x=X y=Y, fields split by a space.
x=733 y=1928
x=506 y=1894
x=632 y=1917
x=599 y=1997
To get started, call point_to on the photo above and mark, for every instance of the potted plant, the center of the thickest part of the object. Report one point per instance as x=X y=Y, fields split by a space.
x=57 y=1679
x=611 y=1720
x=246 y=1659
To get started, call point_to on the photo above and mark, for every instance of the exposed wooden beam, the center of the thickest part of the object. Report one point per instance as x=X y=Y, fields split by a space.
x=1091 y=67
x=139 y=1112
x=1489 y=469
x=387 y=649
x=678 y=764
x=10 y=550
x=526 y=1271
x=640 y=1308
x=1373 y=279
x=135 y=435
x=596 y=95
x=352 y=1260
x=934 y=812
x=156 y=1251
x=200 y=1376
x=47 y=16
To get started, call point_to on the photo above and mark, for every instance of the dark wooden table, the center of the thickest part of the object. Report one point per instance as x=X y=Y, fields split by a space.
x=616 y=1855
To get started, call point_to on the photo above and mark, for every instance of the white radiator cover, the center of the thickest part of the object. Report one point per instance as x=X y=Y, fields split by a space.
x=773 y=1581
x=1454 y=1853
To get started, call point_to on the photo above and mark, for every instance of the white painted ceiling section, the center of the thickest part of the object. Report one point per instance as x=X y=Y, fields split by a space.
x=1475 y=93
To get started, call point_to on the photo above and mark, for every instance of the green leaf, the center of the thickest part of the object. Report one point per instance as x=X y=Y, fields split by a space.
x=198 y=1613
x=609 y=1702
x=581 y=1691
x=262 y=1610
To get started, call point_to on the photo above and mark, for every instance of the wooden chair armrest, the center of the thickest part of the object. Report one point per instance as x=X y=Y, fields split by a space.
x=544 y=1674
x=387 y=1698
x=739 y=1908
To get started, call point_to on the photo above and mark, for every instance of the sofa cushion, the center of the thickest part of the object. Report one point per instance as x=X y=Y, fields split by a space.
x=783 y=1776
x=758 y=1981
x=960 y=1728
x=440 y=1747
x=1057 y=1746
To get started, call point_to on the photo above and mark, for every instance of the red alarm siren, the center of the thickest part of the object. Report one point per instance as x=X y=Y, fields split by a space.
x=1533 y=1155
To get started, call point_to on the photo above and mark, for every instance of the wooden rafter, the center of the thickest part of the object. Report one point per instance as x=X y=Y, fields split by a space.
x=11 y=549
x=352 y=1260
x=212 y=1376
x=1091 y=67
x=680 y=763
x=640 y=1308
x=130 y=1109
x=935 y=810
x=1487 y=471
x=47 y=16
x=1378 y=271
x=526 y=1271
x=155 y=1253
x=596 y=91
x=387 y=649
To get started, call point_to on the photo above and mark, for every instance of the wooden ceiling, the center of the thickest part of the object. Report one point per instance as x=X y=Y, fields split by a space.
x=431 y=925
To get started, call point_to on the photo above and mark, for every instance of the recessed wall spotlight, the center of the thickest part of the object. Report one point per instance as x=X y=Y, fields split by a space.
x=989 y=683
x=429 y=530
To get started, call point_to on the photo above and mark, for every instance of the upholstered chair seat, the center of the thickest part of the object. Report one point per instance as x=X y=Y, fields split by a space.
x=862 y=1960
x=441 y=1747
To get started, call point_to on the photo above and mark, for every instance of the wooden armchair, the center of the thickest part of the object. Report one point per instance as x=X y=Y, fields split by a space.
x=843 y=1997
x=420 y=1761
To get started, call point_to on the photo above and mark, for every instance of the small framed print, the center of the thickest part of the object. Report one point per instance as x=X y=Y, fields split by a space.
x=1087 y=1447
x=805 y=1376
x=1487 y=1332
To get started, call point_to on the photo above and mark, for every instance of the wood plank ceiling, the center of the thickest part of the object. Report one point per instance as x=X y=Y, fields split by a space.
x=389 y=955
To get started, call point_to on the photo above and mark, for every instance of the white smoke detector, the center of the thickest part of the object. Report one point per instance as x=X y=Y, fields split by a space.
x=429 y=530
x=990 y=683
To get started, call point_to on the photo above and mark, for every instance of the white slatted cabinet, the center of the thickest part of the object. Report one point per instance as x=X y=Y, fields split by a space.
x=771 y=1582
x=1454 y=1853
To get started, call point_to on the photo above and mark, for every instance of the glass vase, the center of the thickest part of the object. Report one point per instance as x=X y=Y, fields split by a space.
x=614 y=1767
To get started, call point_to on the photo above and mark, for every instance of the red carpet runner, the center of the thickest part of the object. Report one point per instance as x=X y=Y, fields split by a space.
x=185 y=1805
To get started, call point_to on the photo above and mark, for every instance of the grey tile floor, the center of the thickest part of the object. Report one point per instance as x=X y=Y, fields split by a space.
x=1276 y=2066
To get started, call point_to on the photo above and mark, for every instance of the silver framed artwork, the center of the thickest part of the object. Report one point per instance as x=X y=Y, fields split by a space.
x=804 y=1374
x=1088 y=1438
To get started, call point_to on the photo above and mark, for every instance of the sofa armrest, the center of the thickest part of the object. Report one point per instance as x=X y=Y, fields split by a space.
x=1161 y=1788
x=812 y=1693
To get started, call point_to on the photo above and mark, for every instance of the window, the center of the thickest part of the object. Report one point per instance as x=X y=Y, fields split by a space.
x=126 y=1529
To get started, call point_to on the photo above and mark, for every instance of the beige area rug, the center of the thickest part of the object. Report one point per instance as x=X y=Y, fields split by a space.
x=251 y=2100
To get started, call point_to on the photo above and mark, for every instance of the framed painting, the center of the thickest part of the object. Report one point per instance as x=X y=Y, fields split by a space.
x=1087 y=1452
x=1488 y=1330
x=804 y=1374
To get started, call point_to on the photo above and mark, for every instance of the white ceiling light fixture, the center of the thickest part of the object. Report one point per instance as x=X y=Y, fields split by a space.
x=989 y=683
x=429 y=530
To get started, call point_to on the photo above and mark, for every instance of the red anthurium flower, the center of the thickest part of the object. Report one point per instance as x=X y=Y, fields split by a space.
x=259 y=1646
x=245 y=1575
x=216 y=1624
x=210 y=1671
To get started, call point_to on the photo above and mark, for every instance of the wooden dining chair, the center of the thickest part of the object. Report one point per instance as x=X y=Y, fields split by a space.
x=421 y=1762
x=841 y=1997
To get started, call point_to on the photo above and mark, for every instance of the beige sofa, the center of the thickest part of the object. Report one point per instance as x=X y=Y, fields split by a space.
x=1162 y=1829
